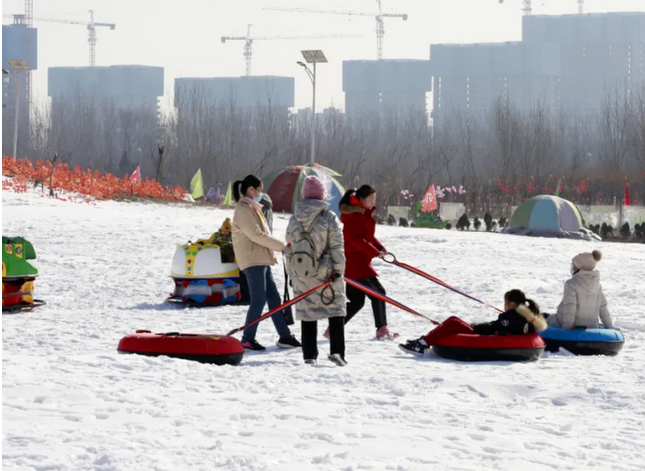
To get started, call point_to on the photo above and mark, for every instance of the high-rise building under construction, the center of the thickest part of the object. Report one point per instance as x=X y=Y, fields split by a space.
x=566 y=62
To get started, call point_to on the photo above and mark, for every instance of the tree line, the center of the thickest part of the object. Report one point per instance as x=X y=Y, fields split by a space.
x=499 y=157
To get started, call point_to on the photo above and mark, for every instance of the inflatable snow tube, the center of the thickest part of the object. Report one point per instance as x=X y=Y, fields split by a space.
x=598 y=341
x=204 y=348
x=474 y=347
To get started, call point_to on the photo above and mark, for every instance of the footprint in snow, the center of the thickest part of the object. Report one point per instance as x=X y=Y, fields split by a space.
x=479 y=393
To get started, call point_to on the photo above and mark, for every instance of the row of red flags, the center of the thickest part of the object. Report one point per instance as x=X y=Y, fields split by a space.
x=430 y=198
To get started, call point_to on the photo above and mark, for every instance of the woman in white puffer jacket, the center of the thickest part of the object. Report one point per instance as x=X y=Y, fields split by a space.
x=583 y=301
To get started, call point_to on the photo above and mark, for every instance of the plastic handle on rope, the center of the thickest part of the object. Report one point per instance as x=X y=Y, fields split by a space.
x=393 y=261
x=281 y=307
x=434 y=279
x=382 y=297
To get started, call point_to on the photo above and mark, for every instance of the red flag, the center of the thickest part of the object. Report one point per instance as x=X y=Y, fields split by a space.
x=429 y=200
x=628 y=200
x=136 y=176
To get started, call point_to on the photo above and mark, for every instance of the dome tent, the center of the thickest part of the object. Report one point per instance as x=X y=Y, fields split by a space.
x=284 y=186
x=549 y=216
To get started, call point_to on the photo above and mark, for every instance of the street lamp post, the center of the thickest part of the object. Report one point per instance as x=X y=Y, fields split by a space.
x=312 y=57
x=18 y=65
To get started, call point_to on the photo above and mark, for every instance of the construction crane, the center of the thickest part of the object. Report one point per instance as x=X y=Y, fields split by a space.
x=91 y=28
x=526 y=7
x=248 y=42
x=380 y=30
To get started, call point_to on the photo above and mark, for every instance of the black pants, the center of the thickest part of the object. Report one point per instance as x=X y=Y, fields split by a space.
x=336 y=338
x=356 y=302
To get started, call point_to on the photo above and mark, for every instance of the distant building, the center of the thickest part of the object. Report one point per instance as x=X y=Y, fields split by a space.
x=600 y=53
x=392 y=86
x=18 y=42
x=248 y=93
x=122 y=86
x=567 y=62
x=128 y=95
x=471 y=77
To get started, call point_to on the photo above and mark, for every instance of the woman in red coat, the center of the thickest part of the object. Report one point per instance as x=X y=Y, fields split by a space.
x=361 y=246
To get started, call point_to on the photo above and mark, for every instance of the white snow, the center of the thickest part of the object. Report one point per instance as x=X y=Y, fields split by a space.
x=70 y=402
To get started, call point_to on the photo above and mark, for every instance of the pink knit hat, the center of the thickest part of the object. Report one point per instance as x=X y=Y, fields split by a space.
x=313 y=188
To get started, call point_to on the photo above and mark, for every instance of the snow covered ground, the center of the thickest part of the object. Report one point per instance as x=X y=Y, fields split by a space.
x=70 y=402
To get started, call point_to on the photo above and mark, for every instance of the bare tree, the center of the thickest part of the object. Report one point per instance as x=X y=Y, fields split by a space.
x=391 y=148
x=613 y=130
x=637 y=124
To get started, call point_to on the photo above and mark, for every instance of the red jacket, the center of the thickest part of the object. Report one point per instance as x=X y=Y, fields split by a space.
x=360 y=244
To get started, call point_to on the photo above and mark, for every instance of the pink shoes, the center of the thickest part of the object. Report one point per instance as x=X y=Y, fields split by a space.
x=381 y=334
x=384 y=334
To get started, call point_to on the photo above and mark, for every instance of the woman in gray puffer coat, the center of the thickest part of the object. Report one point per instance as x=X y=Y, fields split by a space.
x=315 y=254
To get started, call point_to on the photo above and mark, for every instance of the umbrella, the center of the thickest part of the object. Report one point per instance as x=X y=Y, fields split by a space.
x=284 y=186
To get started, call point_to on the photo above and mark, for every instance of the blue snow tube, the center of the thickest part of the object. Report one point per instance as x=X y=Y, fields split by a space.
x=599 y=341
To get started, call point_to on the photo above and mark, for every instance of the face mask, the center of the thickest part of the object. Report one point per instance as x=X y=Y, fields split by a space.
x=258 y=198
x=572 y=270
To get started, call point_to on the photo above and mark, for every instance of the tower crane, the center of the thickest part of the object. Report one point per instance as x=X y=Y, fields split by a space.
x=91 y=28
x=526 y=7
x=380 y=30
x=248 y=42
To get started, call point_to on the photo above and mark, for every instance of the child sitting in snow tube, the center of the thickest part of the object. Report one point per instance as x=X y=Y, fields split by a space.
x=583 y=301
x=521 y=316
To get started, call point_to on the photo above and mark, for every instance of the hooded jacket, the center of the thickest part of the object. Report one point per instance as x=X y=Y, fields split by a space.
x=267 y=210
x=361 y=245
x=327 y=237
x=583 y=303
x=252 y=242
x=518 y=321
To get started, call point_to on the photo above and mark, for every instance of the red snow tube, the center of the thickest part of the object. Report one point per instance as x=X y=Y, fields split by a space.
x=473 y=347
x=205 y=348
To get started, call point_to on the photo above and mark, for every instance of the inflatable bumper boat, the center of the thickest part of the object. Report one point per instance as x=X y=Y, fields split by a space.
x=202 y=279
x=474 y=347
x=598 y=341
x=18 y=275
x=204 y=348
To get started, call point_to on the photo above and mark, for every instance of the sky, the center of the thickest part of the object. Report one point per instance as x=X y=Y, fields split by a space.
x=183 y=36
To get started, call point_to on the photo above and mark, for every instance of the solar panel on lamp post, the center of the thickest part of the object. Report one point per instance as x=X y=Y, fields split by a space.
x=18 y=65
x=313 y=57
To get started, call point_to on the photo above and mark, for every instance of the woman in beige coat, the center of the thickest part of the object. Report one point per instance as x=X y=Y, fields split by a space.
x=254 y=250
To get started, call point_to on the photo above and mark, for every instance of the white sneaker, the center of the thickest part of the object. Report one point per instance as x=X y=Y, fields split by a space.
x=336 y=358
